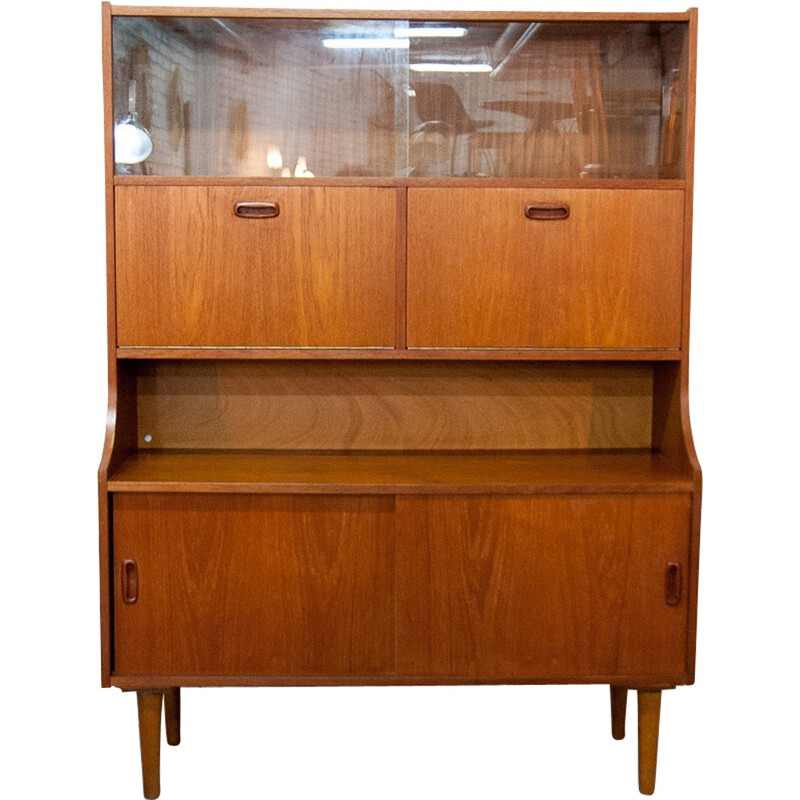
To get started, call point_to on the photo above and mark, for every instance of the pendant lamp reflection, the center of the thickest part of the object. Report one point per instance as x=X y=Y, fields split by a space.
x=132 y=141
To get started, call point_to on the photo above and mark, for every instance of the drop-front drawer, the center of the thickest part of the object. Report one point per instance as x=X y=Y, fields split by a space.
x=237 y=266
x=527 y=268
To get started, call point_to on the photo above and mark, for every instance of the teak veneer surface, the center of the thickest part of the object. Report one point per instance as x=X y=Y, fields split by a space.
x=358 y=473
x=191 y=273
x=531 y=354
x=394 y=406
x=262 y=584
x=536 y=587
x=438 y=14
x=480 y=274
x=542 y=586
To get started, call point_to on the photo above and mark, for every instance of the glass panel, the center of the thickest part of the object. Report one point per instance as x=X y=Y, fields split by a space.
x=326 y=98
x=240 y=97
x=548 y=100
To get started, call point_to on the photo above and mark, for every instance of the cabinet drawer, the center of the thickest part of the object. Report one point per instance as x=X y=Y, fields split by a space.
x=541 y=587
x=242 y=584
x=483 y=274
x=191 y=273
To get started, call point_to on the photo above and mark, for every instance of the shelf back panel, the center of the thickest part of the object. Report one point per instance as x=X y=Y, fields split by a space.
x=394 y=406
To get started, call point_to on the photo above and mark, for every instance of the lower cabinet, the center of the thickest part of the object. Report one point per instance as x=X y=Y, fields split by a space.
x=441 y=586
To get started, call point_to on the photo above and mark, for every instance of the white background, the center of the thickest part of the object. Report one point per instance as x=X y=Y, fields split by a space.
x=733 y=734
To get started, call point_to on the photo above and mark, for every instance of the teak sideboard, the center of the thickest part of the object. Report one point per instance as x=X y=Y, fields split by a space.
x=398 y=320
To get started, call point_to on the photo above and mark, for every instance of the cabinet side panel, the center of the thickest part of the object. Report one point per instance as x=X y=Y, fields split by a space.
x=104 y=525
x=280 y=585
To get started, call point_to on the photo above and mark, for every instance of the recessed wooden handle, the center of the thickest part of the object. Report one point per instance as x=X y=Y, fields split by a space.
x=673 y=588
x=257 y=210
x=130 y=581
x=546 y=211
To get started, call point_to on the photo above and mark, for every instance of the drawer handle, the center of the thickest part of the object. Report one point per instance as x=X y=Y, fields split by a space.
x=546 y=211
x=257 y=210
x=673 y=588
x=130 y=581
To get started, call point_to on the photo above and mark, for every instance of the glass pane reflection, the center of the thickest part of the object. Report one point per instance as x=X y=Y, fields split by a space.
x=393 y=98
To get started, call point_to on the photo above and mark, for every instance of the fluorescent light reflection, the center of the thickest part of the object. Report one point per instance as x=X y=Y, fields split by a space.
x=364 y=43
x=431 y=33
x=432 y=67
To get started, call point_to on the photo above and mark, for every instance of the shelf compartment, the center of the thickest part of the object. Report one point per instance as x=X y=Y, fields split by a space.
x=208 y=471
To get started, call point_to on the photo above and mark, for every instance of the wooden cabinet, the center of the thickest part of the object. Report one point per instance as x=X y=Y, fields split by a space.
x=398 y=354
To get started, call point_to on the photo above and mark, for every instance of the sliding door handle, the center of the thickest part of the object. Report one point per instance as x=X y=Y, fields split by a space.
x=673 y=588
x=130 y=581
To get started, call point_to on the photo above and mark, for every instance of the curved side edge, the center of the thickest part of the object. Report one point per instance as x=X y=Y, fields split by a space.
x=686 y=427
x=120 y=440
x=694 y=532
x=104 y=519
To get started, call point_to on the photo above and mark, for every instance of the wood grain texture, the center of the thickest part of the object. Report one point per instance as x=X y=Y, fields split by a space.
x=394 y=406
x=418 y=182
x=482 y=275
x=133 y=682
x=619 y=705
x=191 y=273
x=398 y=473
x=668 y=436
x=113 y=394
x=539 y=587
x=149 y=708
x=388 y=354
x=649 y=709
x=267 y=585
x=332 y=13
x=400 y=270
x=172 y=715
x=694 y=573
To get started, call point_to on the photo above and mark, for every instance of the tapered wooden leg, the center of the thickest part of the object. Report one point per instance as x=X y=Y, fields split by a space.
x=172 y=715
x=649 y=715
x=619 y=705
x=149 y=703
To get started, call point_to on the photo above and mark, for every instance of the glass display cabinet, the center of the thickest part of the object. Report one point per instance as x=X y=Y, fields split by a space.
x=398 y=350
x=245 y=97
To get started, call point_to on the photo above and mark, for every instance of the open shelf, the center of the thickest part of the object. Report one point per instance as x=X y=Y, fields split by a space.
x=397 y=473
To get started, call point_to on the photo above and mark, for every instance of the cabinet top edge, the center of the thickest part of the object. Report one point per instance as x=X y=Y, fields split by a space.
x=322 y=13
x=374 y=182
